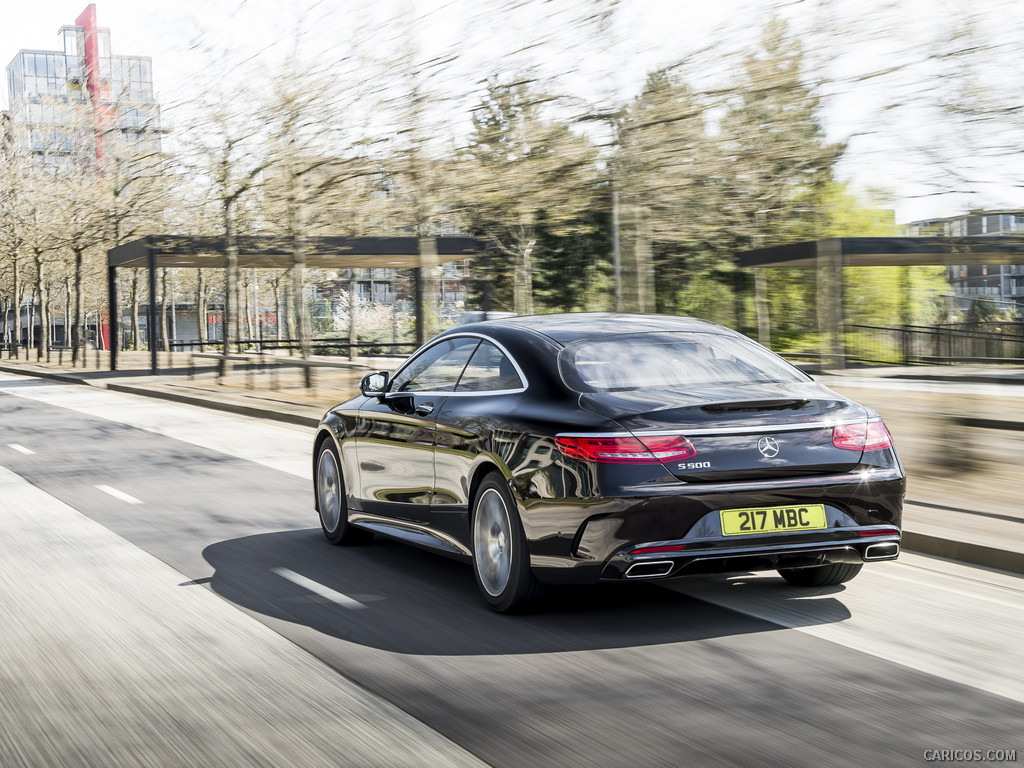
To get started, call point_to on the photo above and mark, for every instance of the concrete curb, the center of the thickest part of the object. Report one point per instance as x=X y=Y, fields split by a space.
x=974 y=554
x=204 y=402
x=63 y=377
x=220 y=405
x=925 y=373
x=965 y=379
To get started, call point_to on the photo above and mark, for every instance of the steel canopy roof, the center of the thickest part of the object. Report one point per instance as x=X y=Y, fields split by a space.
x=890 y=252
x=276 y=252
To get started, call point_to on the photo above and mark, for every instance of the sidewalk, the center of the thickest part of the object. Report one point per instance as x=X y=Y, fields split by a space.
x=961 y=448
x=125 y=665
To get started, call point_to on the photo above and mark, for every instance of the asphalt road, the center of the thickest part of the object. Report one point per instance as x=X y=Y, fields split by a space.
x=911 y=656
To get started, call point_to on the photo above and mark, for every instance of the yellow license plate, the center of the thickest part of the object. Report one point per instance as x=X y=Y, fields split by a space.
x=804 y=517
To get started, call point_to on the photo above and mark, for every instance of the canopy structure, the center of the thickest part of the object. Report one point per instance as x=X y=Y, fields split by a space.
x=889 y=252
x=180 y=251
x=830 y=256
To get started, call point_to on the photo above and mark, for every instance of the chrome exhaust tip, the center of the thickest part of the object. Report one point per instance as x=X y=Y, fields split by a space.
x=650 y=570
x=887 y=550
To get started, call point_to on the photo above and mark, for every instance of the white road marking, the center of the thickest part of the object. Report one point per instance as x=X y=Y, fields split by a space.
x=21 y=449
x=318 y=588
x=944 y=619
x=118 y=494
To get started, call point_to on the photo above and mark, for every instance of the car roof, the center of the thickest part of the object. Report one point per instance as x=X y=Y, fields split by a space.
x=577 y=326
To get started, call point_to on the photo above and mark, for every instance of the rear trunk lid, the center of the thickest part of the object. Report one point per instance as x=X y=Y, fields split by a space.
x=741 y=431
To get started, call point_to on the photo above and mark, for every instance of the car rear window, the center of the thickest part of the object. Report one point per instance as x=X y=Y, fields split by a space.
x=670 y=360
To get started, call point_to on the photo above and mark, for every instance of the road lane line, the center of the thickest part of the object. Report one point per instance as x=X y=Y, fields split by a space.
x=21 y=449
x=317 y=588
x=118 y=494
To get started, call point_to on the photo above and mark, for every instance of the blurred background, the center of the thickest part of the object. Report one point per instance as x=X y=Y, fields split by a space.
x=591 y=155
x=607 y=155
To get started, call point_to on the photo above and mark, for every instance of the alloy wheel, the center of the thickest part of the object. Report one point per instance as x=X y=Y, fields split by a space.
x=492 y=542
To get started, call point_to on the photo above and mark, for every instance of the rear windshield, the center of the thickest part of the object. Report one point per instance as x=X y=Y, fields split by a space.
x=660 y=360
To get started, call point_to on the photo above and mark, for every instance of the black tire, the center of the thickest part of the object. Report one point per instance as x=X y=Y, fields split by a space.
x=821 y=575
x=501 y=555
x=329 y=487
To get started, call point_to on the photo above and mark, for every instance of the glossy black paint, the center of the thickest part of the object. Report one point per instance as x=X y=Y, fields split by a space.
x=412 y=462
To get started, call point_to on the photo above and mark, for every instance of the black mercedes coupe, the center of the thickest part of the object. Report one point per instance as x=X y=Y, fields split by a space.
x=577 y=448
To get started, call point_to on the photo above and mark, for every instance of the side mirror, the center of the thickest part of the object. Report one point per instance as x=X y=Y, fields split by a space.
x=374 y=384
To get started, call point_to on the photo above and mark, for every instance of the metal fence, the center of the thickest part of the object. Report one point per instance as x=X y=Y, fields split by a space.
x=328 y=347
x=936 y=345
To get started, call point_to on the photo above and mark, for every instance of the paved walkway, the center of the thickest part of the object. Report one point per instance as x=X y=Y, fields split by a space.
x=960 y=431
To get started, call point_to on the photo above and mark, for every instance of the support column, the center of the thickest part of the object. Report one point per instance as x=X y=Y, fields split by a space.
x=427 y=304
x=151 y=319
x=112 y=314
x=764 y=325
x=831 y=324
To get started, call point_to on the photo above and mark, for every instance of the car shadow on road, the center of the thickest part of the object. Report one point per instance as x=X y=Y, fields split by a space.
x=411 y=601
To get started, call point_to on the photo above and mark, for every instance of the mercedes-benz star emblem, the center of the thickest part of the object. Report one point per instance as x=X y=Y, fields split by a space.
x=769 y=447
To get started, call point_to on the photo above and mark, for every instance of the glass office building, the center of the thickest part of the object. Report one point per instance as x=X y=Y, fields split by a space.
x=1003 y=283
x=75 y=104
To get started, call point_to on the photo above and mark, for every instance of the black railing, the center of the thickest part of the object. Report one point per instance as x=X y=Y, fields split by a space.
x=936 y=345
x=327 y=347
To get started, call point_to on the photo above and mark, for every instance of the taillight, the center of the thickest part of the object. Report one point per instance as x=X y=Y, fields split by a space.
x=663 y=548
x=869 y=436
x=880 y=532
x=649 y=449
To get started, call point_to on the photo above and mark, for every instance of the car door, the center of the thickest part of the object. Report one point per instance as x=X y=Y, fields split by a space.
x=477 y=409
x=394 y=438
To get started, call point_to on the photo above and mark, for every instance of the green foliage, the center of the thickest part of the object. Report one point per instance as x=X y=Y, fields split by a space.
x=522 y=172
x=880 y=296
x=707 y=174
x=708 y=295
x=982 y=309
x=572 y=272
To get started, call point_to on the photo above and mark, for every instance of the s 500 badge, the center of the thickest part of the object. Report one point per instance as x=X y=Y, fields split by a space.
x=695 y=465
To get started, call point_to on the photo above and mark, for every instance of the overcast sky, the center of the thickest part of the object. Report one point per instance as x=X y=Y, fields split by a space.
x=647 y=33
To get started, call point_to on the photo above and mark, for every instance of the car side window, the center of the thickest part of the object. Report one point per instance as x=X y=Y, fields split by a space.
x=489 y=370
x=436 y=369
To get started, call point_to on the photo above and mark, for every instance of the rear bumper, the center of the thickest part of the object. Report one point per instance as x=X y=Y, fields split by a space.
x=686 y=531
x=761 y=556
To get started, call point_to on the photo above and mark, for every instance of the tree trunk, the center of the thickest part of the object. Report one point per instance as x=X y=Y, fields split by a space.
x=66 y=341
x=246 y=310
x=241 y=312
x=353 y=308
x=522 y=287
x=906 y=296
x=16 y=266
x=257 y=330
x=289 y=311
x=136 y=332
x=44 y=320
x=301 y=309
x=30 y=318
x=230 y=320
x=278 y=309
x=164 y=341
x=7 y=323
x=201 y=329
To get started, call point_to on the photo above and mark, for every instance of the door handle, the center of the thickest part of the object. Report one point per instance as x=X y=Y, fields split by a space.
x=424 y=408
